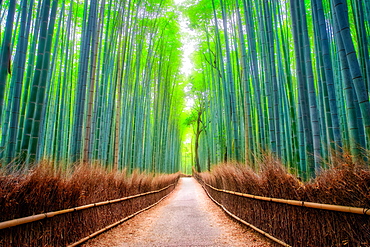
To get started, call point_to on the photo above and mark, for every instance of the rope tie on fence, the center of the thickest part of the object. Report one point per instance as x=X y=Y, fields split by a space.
x=366 y=210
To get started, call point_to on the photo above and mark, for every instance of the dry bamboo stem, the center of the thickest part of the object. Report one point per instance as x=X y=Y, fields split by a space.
x=37 y=217
x=345 y=209
x=116 y=223
x=246 y=223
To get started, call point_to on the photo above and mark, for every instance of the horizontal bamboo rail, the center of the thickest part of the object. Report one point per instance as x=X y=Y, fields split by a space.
x=345 y=209
x=115 y=224
x=246 y=223
x=37 y=217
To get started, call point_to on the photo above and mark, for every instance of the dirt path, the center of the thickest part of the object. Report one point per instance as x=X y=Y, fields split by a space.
x=186 y=218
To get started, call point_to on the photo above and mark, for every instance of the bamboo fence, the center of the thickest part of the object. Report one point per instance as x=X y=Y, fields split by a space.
x=267 y=235
x=118 y=222
x=37 y=217
x=338 y=208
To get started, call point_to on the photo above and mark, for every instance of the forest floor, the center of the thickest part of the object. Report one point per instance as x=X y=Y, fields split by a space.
x=187 y=217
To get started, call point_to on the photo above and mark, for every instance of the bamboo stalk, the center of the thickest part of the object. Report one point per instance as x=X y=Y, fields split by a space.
x=37 y=217
x=338 y=208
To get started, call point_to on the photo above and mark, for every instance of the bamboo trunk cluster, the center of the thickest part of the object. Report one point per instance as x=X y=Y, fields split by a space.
x=96 y=80
x=289 y=77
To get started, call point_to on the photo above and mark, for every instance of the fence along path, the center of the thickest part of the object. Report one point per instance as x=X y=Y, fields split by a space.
x=40 y=236
x=338 y=208
x=186 y=218
x=33 y=218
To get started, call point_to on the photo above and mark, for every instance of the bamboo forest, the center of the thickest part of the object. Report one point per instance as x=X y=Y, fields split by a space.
x=131 y=97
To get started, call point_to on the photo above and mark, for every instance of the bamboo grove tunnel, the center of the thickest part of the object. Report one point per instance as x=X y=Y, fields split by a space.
x=106 y=106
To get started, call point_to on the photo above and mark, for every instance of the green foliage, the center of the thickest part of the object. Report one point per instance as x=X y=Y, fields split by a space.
x=267 y=85
x=191 y=119
x=101 y=81
x=111 y=91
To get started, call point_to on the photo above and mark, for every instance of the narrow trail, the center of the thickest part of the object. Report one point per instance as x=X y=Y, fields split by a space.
x=186 y=218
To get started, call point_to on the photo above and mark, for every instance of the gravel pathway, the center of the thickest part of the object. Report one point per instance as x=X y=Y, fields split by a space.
x=186 y=218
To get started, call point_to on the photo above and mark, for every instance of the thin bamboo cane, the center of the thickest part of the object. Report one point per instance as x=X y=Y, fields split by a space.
x=338 y=208
x=37 y=217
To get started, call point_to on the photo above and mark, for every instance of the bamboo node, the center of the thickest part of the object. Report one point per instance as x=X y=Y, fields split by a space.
x=366 y=210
